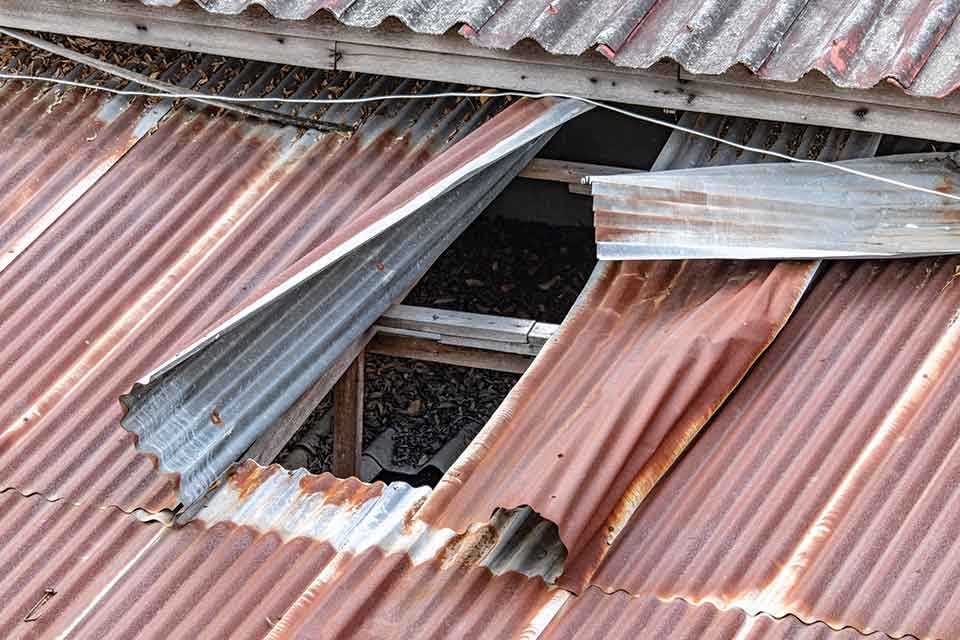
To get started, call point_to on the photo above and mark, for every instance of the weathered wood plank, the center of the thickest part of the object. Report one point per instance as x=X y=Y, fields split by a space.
x=569 y=172
x=321 y=42
x=457 y=323
x=405 y=346
x=348 y=421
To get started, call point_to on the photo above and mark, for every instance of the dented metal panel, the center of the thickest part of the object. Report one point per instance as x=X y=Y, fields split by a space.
x=856 y=43
x=203 y=210
x=826 y=486
x=596 y=615
x=781 y=211
x=647 y=354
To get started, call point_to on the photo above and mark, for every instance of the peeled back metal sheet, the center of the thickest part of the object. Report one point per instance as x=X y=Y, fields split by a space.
x=199 y=417
x=781 y=211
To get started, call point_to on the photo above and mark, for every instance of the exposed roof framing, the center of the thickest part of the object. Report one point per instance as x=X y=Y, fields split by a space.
x=323 y=42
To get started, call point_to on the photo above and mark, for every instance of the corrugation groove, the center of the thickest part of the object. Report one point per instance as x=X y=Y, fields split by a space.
x=826 y=487
x=642 y=361
x=855 y=43
x=596 y=615
x=180 y=229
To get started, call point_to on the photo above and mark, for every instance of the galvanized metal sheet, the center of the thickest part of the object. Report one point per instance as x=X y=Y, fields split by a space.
x=178 y=232
x=783 y=211
x=826 y=486
x=645 y=357
x=596 y=615
x=856 y=43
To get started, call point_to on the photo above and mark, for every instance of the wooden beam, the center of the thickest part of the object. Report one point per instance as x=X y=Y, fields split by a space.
x=569 y=172
x=348 y=421
x=324 y=43
x=430 y=350
x=459 y=338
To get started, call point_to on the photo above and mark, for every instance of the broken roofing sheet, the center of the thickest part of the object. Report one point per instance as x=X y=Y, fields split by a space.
x=157 y=228
x=787 y=211
x=646 y=356
x=200 y=416
x=826 y=486
x=273 y=551
x=856 y=43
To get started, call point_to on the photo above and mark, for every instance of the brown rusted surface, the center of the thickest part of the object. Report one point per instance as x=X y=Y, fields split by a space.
x=599 y=616
x=378 y=595
x=826 y=486
x=118 y=577
x=177 y=232
x=74 y=551
x=45 y=133
x=276 y=559
x=638 y=366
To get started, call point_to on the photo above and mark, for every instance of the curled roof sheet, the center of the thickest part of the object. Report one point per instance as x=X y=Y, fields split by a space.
x=163 y=221
x=648 y=353
x=826 y=486
x=856 y=43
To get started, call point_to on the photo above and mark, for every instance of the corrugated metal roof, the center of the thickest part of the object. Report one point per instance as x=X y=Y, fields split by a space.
x=646 y=356
x=856 y=43
x=826 y=487
x=790 y=211
x=595 y=615
x=163 y=229
x=272 y=550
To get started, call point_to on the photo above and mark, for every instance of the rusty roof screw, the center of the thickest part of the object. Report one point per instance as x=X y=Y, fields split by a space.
x=32 y=614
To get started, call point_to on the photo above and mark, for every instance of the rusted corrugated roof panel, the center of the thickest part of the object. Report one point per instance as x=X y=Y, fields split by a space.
x=826 y=486
x=595 y=615
x=790 y=211
x=272 y=550
x=173 y=236
x=856 y=43
x=38 y=167
x=53 y=545
x=645 y=357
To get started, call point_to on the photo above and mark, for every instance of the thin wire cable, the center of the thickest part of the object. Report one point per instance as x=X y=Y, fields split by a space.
x=494 y=94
